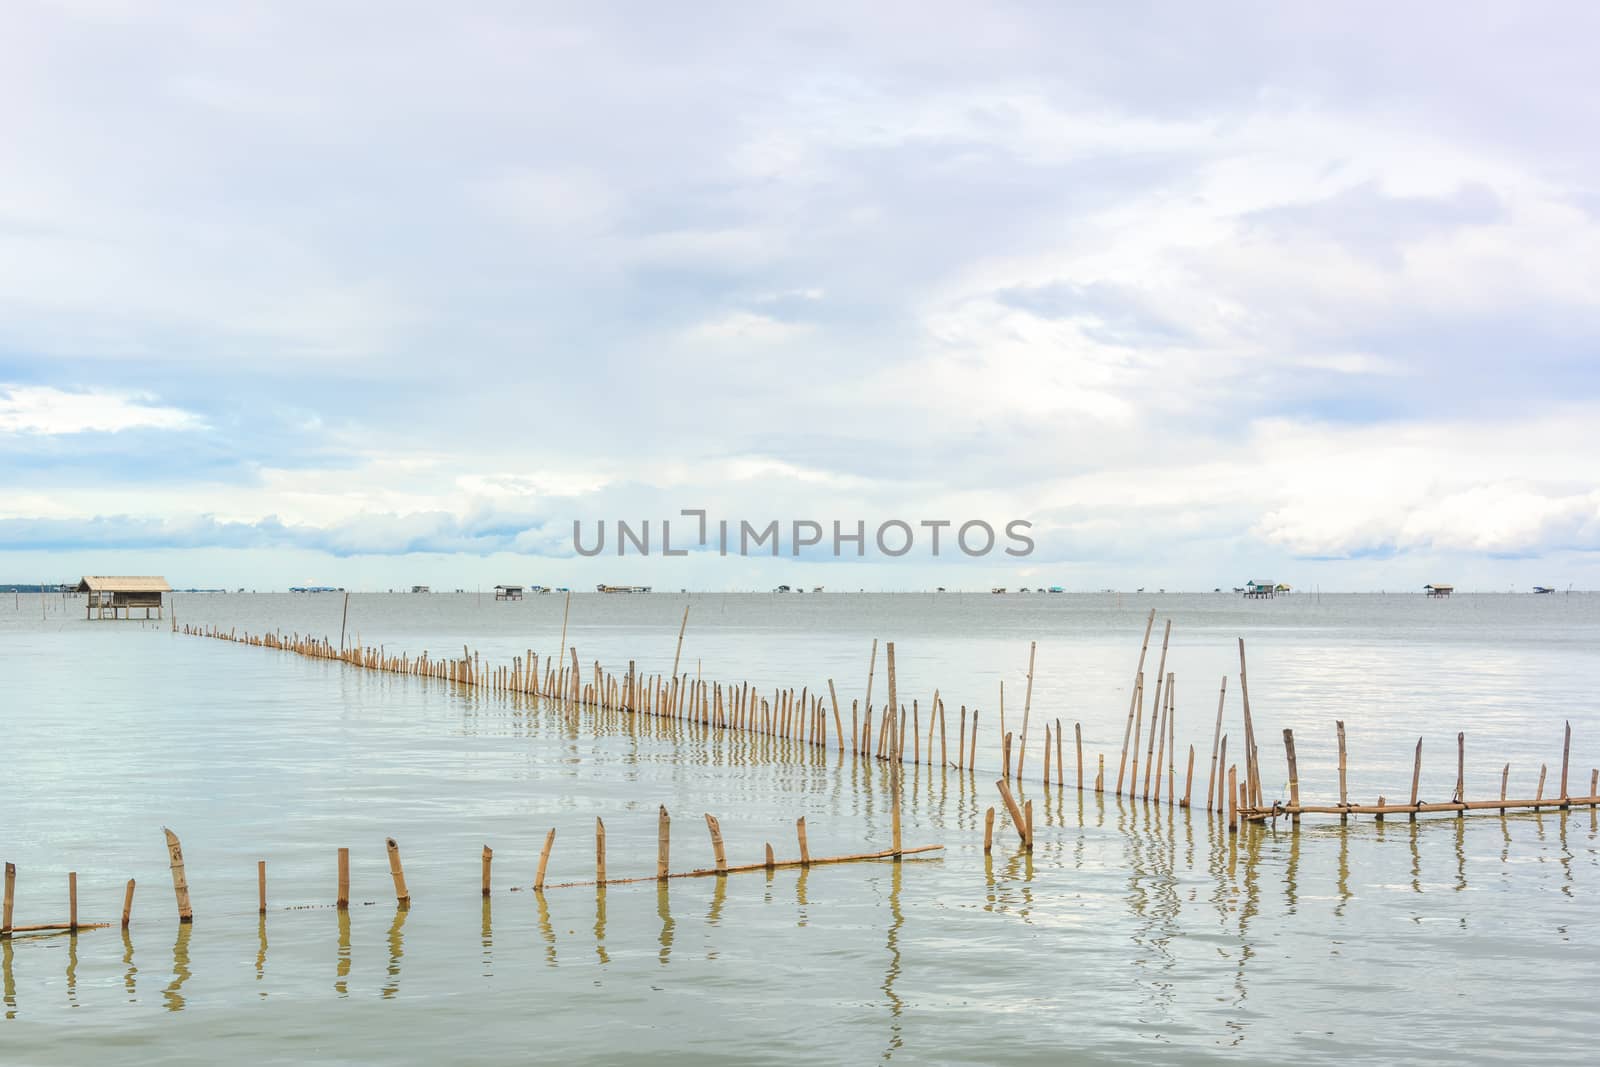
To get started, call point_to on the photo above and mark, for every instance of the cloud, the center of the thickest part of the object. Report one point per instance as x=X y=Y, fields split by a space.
x=45 y=410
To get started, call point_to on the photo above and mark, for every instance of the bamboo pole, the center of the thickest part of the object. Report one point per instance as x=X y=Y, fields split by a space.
x=1233 y=813
x=397 y=872
x=127 y=904
x=1077 y=739
x=343 y=902
x=1188 y=780
x=1221 y=784
x=838 y=725
x=1047 y=755
x=1100 y=774
x=343 y=618
x=1294 y=774
x=1133 y=697
x=1461 y=768
x=1505 y=774
x=944 y=757
x=972 y=753
x=180 y=885
x=679 y=652
x=1538 y=796
x=805 y=849
x=1027 y=707
x=544 y=856
x=599 y=850
x=488 y=862
x=72 y=900
x=1027 y=814
x=1216 y=738
x=872 y=665
x=561 y=649
x=961 y=741
x=1566 y=758
x=988 y=830
x=663 y=843
x=1018 y=820
x=895 y=767
x=744 y=868
x=1138 y=729
x=716 y=844
x=1344 y=793
x=1165 y=712
x=1251 y=773
x=1416 y=776
x=10 y=897
x=1155 y=728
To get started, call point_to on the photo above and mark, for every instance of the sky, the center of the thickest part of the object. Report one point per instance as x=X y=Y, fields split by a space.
x=374 y=295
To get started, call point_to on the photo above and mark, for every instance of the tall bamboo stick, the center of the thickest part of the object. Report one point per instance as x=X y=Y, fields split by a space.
x=1216 y=739
x=1027 y=708
x=1133 y=697
x=720 y=857
x=663 y=843
x=127 y=902
x=544 y=858
x=397 y=873
x=679 y=651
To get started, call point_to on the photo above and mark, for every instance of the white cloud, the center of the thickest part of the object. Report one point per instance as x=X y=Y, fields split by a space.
x=45 y=410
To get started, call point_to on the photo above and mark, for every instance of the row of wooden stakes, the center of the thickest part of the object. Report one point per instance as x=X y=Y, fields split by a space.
x=720 y=866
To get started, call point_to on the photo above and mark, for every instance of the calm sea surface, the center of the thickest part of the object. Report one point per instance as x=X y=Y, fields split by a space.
x=1133 y=931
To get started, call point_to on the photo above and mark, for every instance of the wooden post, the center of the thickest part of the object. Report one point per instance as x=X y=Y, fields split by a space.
x=1294 y=775
x=1155 y=728
x=1077 y=739
x=1566 y=756
x=544 y=855
x=1505 y=773
x=1100 y=774
x=1221 y=784
x=716 y=844
x=342 y=620
x=805 y=849
x=895 y=764
x=1017 y=818
x=1344 y=793
x=838 y=724
x=1216 y=738
x=944 y=758
x=681 y=627
x=663 y=843
x=599 y=850
x=872 y=665
x=397 y=872
x=1027 y=812
x=127 y=904
x=343 y=903
x=988 y=831
x=72 y=900
x=1233 y=814
x=180 y=885
x=10 y=897
x=1047 y=755
x=561 y=649
x=772 y=861
x=261 y=887
x=1461 y=768
x=488 y=861
x=1027 y=707
x=1133 y=698
x=1188 y=779
x=1379 y=816
x=1540 y=794
x=1252 y=775
x=1416 y=777
x=1061 y=766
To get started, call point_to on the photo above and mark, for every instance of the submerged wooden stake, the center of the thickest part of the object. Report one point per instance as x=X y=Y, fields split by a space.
x=1077 y=737
x=1294 y=773
x=10 y=896
x=488 y=860
x=1233 y=814
x=343 y=903
x=1416 y=776
x=261 y=887
x=1344 y=793
x=127 y=904
x=1188 y=779
x=805 y=849
x=72 y=900
x=180 y=885
x=988 y=831
x=1027 y=707
x=1566 y=758
x=679 y=651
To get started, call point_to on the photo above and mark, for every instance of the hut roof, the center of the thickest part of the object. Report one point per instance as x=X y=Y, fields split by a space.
x=123 y=583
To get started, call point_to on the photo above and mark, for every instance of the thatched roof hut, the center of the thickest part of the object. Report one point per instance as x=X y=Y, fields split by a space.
x=121 y=593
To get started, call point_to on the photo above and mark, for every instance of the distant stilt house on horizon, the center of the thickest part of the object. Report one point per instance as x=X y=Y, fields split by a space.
x=120 y=594
x=508 y=592
x=1438 y=590
x=1260 y=590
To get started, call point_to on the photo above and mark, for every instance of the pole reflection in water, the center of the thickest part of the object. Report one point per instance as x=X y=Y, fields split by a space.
x=127 y=958
x=664 y=909
x=600 y=924
x=546 y=930
x=1344 y=870
x=8 y=979
x=173 y=995
x=261 y=950
x=800 y=897
x=486 y=939
x=72 y=969
x=397 y=941
x=341 y=969
x=892 y=974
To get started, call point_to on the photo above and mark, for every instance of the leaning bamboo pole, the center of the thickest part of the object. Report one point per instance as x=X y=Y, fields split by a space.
x=1133 y=697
